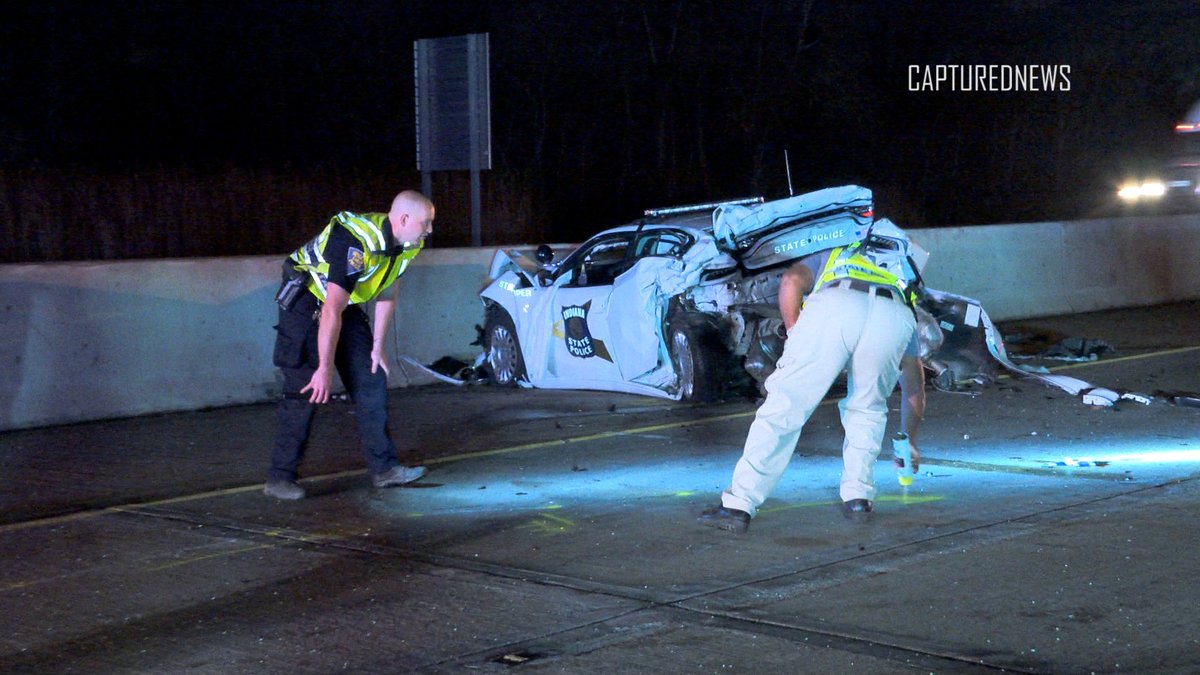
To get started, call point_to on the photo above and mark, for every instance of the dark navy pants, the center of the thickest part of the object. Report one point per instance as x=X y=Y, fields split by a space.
x=296 y=356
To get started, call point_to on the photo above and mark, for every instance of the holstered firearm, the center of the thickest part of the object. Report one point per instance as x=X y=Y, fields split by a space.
x=294 y=283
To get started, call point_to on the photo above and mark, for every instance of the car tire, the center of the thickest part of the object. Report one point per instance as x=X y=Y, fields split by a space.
x=695 y=354
x=503 y=361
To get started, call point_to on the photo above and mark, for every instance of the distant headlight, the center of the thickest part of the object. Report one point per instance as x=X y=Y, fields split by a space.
x=1151 y=189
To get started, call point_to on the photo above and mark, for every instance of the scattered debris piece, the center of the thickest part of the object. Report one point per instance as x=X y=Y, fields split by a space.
x=451 y=370
x=1188 y=399
x=1081 y=462
x=1027 y=344
x=1078 y=349
x=1028 y=341
x=515 y=658
x=1100 y=396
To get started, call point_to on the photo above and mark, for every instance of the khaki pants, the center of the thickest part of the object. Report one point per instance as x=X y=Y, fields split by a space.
x=839 y=329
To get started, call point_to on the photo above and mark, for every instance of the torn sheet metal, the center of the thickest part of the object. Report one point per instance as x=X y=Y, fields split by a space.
x=966 y=327
x=642 y=304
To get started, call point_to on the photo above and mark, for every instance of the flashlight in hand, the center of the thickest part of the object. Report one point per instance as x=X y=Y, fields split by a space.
x=902 y=451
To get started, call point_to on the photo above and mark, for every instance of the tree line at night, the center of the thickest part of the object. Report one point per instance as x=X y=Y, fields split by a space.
x=161 y=130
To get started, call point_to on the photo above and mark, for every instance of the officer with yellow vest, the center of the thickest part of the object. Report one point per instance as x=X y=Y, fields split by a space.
x=322 y=326
x=857 y=316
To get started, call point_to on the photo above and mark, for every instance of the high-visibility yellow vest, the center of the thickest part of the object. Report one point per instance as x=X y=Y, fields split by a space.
x=855 y=262
x=380 y=264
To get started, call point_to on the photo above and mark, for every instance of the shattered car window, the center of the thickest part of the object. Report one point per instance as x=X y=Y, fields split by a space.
x=667 y=243
x=602 y=263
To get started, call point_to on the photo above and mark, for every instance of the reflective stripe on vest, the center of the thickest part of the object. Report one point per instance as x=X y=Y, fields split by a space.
x=379 y=268
x=846 y=262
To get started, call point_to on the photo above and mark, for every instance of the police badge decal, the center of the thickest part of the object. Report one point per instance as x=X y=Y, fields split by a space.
x=578 y=337
x=354 y=260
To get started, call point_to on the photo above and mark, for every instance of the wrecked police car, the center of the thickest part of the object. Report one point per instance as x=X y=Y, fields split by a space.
x=680 y=304
x=683 y=303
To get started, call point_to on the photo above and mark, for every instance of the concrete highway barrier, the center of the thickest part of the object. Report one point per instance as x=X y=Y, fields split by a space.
x=87 y=341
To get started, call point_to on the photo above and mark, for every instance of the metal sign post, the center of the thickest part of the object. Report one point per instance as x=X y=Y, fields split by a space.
x=453 y=103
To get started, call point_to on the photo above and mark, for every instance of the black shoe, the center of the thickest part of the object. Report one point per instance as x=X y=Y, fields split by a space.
x=725 y=519
x=857 y=509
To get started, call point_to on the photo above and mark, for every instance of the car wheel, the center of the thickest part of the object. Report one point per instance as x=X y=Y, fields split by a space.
x=503 y=363
x=694 y=355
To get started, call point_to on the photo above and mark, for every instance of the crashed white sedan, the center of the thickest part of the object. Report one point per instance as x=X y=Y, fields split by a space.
x=682 y=303
x=679 y=304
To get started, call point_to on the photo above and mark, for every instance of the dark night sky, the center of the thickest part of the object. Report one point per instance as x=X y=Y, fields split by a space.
x=605 y=107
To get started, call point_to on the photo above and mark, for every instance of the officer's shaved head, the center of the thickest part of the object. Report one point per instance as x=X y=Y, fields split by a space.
x=411 y=216
x=410 y=199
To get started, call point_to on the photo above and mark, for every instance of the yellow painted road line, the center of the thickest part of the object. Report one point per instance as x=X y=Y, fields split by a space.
x=1131 y=357
x=592 y=437
x=138 y=506
x=557 y=519
x=210 y=556
x=285 y=539
x=1087 y=364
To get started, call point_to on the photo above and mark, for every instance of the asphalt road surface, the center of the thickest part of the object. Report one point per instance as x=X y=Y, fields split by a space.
x=556 y=532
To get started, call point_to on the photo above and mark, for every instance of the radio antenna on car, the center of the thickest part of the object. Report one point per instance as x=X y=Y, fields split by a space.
x=674 y=210
x=788 y=165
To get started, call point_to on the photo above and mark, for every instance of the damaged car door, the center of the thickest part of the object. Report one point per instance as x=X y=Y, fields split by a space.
x=579 y=304
x=639 y=293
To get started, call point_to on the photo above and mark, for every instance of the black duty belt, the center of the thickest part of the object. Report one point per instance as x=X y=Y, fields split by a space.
x=857 y=285
x=307 y=303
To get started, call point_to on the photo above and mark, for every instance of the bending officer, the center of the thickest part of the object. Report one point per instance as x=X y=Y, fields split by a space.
x=322 y=326
x=857 y=316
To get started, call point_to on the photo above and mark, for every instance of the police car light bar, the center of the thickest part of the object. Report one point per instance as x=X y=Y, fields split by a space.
x=673 y=210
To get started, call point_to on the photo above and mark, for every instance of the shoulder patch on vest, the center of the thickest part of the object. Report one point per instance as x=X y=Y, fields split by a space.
x=354 y=260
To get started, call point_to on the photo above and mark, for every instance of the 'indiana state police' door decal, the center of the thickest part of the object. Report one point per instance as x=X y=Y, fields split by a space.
x=578 y=337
